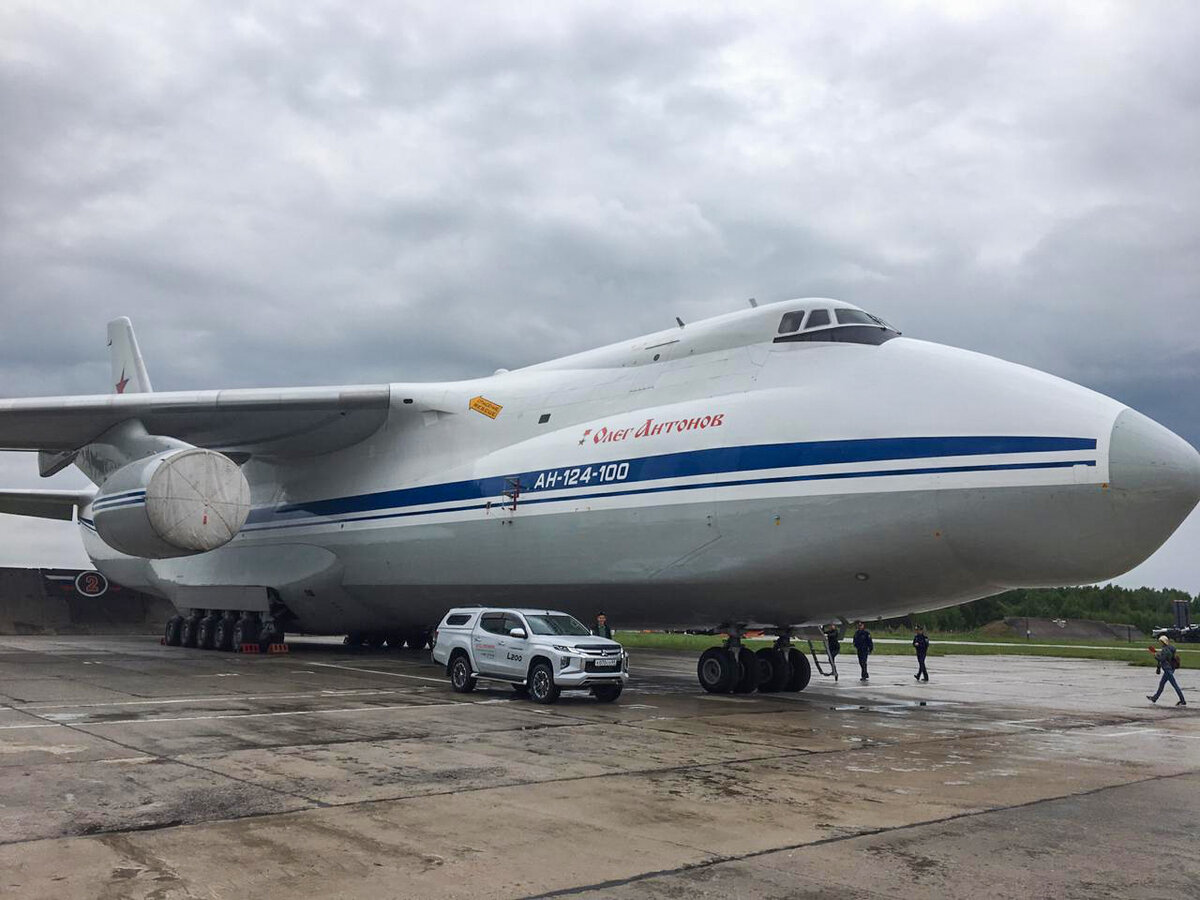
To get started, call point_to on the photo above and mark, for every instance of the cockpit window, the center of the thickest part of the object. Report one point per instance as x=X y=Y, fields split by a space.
x=817 y=318
x=791 y=321
x=855 y=317
x=853 y=326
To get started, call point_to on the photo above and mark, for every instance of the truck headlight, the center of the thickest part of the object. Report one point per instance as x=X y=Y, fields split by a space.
x=561 y=648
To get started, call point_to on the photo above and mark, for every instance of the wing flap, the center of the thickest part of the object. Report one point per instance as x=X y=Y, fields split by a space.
x=44 y=504
x=287 y=422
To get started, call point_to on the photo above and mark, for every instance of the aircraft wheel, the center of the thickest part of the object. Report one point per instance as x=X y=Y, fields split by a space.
x=206 y=632
x=189 y=631
x=269 y=634
x=801 y=671
x=375 y=640
x=173 y=633
x=354 y=639
x=223 y=633
x=542 y=688
x=746 y=679
x=607 y=693
x=772 y=670
x=395 y=640
x=245 y=631
x=461 y=680
x=716 y=670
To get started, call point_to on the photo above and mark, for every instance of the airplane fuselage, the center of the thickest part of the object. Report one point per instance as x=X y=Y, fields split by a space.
x=705 y=475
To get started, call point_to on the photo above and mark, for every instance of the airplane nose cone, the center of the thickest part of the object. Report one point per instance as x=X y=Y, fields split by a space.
x=1154 y=482
x=1148 y=461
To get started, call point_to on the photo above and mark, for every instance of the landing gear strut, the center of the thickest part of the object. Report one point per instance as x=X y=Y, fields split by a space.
x=733 y=668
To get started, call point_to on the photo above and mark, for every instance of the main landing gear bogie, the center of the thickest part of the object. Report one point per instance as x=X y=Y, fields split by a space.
x=222 y=629
x=733 y=668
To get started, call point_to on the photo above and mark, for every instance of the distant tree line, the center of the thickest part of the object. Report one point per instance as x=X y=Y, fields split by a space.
x=1144 y=608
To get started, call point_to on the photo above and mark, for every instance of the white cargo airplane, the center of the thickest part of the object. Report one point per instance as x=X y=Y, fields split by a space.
x=780 y=466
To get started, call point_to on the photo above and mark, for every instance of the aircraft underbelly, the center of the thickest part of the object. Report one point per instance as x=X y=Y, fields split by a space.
x=762 y=560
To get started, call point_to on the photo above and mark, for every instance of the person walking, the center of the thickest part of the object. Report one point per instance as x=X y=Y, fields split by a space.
x=864 y=646
x=921 y=643
x=833 y=640
x=1167 y=658
x=601 y=628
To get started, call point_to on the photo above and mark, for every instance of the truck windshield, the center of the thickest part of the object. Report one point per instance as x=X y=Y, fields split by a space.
x=555 y=624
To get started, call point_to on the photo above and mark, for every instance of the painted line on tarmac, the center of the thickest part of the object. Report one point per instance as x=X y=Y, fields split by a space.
x=360 y=692
x=44 y=725
x=441 y=681
x=265 y=715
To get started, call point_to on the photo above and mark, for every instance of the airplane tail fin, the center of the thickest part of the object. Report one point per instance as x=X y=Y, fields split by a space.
x=128 y=371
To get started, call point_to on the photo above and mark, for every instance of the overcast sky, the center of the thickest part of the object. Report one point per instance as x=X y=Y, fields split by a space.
x=289 y=193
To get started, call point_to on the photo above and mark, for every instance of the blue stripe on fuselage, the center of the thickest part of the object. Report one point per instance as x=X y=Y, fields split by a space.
x=692 y=463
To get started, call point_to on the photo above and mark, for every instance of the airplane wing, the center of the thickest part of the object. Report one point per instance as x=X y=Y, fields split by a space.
x=268 y=422
x=44 y=504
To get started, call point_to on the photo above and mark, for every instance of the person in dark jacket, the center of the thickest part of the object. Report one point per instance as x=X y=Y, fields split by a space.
x=1165 y=657
x=863 y=646
x=833 y=640
x=601 y=628
x=921 y=643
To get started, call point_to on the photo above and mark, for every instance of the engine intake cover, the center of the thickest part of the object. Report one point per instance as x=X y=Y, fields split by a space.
x=174 y=503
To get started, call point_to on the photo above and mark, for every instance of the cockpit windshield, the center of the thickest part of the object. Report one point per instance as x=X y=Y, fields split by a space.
x=819 y=318
x=853 y=326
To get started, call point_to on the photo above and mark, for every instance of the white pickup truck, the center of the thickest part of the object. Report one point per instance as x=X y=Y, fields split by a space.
x=538 y=651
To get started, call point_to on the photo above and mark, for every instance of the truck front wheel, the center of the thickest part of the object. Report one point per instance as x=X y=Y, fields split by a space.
x=461 y=679
x=542 y=688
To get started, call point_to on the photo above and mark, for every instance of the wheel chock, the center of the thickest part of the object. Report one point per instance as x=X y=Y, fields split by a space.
x=277 y=648
x=249 y=648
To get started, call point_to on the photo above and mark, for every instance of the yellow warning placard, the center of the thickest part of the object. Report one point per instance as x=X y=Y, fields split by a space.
x=485 y=406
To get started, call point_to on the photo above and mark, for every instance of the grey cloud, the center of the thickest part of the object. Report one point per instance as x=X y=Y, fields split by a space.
x=412 y=191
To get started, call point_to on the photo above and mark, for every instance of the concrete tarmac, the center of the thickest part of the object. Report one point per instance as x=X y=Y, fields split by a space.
x=129 y=769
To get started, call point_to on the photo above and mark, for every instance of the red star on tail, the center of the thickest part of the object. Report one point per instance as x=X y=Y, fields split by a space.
x=121 y=384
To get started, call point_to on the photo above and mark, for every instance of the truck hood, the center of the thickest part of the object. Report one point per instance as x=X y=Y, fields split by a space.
x=583 y=642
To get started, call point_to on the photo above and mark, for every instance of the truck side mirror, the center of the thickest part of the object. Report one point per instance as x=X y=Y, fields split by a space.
x=517 y=633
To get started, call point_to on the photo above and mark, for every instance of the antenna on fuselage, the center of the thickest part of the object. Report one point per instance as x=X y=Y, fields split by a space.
x=753 y=303
x=679 y=320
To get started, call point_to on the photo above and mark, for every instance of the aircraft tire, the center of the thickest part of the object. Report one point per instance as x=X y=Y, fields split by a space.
x=269 y=634
x=188 y=631
x=173 y=633
x=206 y=632
x=800 y=671
x=542 y=688
x=461 y=679
x=223 y=632
x=715 y=670
x=354 y=639
x=746 y=680
x=607 y=693
x=245 y=631
x=375 y=640
x=395 y=640
x=772 y=670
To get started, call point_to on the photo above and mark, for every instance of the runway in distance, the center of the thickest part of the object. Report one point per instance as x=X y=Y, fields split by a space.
x=781 y=465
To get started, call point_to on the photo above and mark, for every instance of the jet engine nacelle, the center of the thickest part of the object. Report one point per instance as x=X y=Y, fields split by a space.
x=175 y=503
